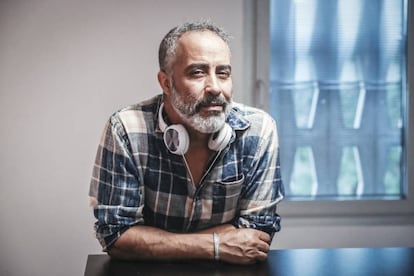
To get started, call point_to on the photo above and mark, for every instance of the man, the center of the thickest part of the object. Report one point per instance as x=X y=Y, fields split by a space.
x=189 y=174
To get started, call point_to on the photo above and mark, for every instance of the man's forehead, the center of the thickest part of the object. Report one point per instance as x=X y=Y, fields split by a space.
x=201 y=38
x=196 y=47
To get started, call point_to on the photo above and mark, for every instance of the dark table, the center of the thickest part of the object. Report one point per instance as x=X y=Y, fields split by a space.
x=343 y=261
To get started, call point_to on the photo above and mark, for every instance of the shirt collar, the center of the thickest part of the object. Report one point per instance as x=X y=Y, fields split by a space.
x=236 y=119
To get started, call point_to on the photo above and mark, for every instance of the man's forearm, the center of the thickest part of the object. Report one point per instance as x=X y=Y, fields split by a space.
x=144 y=242
x=241 y=246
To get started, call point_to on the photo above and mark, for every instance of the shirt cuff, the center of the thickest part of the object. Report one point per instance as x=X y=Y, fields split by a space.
x=266 y=223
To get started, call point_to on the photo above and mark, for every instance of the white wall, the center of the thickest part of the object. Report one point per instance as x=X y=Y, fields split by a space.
x=65 y=66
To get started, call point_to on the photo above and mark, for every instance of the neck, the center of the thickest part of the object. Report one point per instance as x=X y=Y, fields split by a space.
x=197 y=138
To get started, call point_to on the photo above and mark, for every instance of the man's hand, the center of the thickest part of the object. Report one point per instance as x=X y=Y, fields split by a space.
x=244 y=246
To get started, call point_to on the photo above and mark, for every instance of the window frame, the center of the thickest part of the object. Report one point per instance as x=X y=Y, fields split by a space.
x=362 y=211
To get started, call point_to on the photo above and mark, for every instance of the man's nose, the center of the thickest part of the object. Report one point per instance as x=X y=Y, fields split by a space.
x=213 y=85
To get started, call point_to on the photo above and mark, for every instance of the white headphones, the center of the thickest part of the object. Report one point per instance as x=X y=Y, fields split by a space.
x=177 y=140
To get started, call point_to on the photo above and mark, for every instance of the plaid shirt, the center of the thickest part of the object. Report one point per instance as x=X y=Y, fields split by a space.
x=136 y=180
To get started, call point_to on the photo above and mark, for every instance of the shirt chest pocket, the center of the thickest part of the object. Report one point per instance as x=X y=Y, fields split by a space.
x=226 y=195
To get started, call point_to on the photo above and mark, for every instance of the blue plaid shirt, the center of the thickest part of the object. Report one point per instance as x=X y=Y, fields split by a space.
x=136 y=180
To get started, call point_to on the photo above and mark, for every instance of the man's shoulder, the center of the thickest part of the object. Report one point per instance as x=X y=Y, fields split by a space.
x=250 y=114
x=147 y=105
x=136 y=117
x=254 y=122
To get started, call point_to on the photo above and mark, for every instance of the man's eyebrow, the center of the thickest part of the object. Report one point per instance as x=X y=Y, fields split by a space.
x=224 y=67
x=205 y=67
x=193 y=66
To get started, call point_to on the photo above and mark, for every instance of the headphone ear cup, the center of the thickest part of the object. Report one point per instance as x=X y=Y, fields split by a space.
x=219 y=140
x=176 y=139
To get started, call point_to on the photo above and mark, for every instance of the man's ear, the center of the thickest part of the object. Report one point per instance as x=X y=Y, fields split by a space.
x=164 y=82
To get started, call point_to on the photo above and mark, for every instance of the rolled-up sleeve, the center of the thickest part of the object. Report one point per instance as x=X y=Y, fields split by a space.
x=263 y=188
x=115 y=191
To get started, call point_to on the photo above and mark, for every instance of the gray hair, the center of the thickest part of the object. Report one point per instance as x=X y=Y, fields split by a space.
x=168 y=45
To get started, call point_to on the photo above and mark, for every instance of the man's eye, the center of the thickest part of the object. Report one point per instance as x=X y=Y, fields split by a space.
x=197 y=73
x=224 y=74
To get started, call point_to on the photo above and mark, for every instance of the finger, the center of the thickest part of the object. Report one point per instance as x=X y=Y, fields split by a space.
x=262 y=256
x=264 y=247
x=264 y=237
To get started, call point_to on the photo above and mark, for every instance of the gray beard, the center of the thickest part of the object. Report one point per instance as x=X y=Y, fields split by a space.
x=190 y=115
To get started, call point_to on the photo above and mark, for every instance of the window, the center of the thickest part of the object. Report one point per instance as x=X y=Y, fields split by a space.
x=334 y=74
x=338 y=90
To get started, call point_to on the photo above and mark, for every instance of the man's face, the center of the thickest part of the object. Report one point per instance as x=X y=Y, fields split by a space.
x=201 y=84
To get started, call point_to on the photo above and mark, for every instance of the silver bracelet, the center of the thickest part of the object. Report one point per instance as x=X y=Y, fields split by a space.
x=216 y=240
